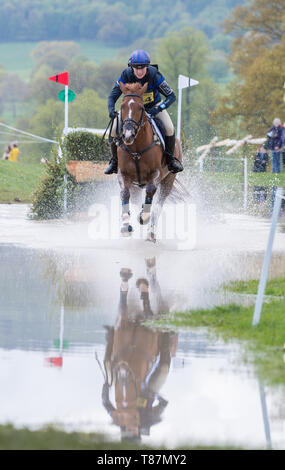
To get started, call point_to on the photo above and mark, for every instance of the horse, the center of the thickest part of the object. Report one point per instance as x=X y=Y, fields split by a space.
x=140 y=162
x=137 y=359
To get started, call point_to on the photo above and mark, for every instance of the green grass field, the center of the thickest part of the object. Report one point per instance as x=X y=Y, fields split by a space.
x=15 y=57
x=264 y=344
x=18 y=180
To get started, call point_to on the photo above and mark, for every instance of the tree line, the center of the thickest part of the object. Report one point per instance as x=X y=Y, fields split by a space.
x=114 y=23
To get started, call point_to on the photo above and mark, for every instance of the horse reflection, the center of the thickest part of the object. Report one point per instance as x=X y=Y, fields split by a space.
x=137 y=361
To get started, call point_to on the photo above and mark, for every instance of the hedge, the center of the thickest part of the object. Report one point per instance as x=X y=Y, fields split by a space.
x=47 y=200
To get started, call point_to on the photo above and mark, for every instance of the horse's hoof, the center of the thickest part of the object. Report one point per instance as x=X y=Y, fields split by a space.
x=151 y=237
x=143 y=217
x=126 y=230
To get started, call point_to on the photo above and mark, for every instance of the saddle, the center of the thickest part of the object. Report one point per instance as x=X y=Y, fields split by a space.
x=158 y=130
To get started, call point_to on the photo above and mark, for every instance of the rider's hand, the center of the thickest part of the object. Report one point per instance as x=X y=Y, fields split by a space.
x=113 y=114
x=154 y=111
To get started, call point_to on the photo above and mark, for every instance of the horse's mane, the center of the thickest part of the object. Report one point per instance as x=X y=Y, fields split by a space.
x=132 y=88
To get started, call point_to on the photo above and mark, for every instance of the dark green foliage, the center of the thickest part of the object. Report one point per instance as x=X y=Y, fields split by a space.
x=86 y=146
x=47 y=200
x=116 y=23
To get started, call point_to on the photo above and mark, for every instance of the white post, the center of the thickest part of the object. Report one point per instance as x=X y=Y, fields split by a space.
x=65 y=134
x=61 y=331
x=183 y=82
x=179 y=113
x=245 y=183
x=266 y=262
x=66 y=109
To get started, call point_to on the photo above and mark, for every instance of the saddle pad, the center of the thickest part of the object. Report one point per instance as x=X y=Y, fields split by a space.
x=158 y=129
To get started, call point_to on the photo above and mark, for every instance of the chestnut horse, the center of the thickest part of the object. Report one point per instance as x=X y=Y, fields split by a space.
x=140 y=162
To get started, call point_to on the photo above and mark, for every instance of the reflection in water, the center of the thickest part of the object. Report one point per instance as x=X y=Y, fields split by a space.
x=137 y=361
x=53 y=309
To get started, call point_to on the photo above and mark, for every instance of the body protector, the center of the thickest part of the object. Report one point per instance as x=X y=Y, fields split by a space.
x=156 y=85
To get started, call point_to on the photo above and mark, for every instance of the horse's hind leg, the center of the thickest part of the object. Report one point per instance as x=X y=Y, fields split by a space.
x=164 y=190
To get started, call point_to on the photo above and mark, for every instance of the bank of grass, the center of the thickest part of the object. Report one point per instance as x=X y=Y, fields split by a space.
x=264 y=344
x=274 y=287
x=18 y=180
x=53 y=439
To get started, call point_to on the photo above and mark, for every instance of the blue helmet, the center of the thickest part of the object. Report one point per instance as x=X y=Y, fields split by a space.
x=139 y=57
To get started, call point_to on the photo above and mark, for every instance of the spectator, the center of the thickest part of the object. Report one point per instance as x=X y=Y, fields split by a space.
x=14 y=153
x=260 y=160
x=260 y=164
x=6 y=153
x=275 y=144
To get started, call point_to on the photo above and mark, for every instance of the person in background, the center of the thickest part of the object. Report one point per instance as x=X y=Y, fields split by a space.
x=260 y=163
x=14 y=153
x=275 y=144
x=260 y=160
x=6 y=153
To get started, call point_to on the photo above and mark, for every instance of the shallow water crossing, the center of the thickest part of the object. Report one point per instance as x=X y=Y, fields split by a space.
x=75 y=352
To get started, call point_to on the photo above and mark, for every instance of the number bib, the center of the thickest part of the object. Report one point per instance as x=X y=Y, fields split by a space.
x=148 y=97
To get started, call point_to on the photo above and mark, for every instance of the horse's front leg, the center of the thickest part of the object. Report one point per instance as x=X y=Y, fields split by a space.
x=126 y=228
x=144 y=215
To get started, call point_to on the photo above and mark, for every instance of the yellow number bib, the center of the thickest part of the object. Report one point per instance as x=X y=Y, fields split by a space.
x=148 y=97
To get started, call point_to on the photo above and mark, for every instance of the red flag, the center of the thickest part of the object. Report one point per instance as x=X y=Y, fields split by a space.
x=61 y=78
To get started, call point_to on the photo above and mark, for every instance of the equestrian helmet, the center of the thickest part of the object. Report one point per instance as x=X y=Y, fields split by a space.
x=139 y=57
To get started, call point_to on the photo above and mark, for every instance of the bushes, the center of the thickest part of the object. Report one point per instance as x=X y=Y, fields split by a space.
x=85 y=146
x=47 y=200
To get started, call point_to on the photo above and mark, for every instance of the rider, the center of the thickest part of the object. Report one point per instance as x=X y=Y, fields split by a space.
x=140 y=70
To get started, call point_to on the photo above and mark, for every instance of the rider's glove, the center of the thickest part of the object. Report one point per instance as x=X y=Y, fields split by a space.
x=154 y=111
x=113 y=114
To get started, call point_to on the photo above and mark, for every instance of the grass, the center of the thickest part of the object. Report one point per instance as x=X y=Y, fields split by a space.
x=263 y=344
x=275 y=287
x=18 y=180
x=54 y=439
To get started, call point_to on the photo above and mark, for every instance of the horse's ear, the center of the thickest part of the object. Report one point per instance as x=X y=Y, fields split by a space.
x=144 y=88
x=123 y=88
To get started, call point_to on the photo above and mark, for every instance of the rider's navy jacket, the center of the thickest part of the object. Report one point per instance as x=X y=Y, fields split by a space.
x=156 y=85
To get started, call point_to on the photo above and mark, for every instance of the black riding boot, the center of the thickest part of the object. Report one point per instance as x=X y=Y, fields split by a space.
x=113 y=163
x=173 y=164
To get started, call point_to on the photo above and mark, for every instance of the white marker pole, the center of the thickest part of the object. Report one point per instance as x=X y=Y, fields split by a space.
x=266 y=262
x=183 y=82
x=65 y=134
x=66 y=109
x=245 y=184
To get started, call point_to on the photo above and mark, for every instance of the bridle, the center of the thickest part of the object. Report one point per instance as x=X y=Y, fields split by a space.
x=139 y=124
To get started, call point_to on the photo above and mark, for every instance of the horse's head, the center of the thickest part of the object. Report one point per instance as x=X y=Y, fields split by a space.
x=132 y=111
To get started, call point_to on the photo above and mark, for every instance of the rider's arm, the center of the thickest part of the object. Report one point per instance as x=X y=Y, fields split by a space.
x=113 y=97
x=169 y=94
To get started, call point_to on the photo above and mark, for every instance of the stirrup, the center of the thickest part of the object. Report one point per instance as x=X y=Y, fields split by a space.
x=174 y=165
x=112 y=167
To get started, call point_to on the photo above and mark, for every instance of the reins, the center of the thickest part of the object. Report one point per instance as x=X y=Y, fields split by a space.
x=136 y=155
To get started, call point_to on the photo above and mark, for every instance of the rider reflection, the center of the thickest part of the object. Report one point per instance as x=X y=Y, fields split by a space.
x=137 y=361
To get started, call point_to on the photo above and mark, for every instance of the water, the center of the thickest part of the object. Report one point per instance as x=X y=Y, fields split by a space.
x=74 y=352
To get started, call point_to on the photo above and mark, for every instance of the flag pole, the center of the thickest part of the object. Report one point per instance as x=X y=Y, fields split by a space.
x=66 y=110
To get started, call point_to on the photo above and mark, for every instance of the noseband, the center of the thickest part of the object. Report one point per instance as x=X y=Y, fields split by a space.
x=139 y=123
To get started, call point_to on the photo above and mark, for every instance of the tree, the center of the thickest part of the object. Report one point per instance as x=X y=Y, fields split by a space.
x=186 y=53
x=255 y=97
x=89 y=110
x=12 y=91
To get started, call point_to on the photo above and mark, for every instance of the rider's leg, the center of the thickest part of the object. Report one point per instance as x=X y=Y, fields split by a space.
x=173 y=163
x=113 y=163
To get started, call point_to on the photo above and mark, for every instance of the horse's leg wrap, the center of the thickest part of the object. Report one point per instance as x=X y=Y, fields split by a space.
x=125 y=197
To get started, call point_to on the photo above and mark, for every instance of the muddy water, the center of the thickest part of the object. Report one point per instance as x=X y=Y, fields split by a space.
x=74 y=351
